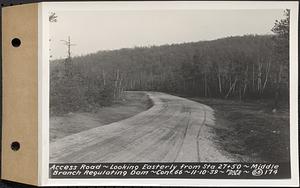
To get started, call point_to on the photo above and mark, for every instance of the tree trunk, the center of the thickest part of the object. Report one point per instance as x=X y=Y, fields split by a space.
x=205 y=85
x=231 y=88
x=253 y=79
x=103 y=77
x=267 y=75
x=259 y=74
x=220 y=83
x=277 y=90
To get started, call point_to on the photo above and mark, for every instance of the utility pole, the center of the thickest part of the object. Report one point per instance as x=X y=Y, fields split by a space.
x=68 y=59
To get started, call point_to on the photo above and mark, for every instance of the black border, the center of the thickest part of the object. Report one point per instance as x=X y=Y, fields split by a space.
x=5 y=3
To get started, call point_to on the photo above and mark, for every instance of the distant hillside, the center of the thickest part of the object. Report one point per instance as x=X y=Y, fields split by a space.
x=234 y=67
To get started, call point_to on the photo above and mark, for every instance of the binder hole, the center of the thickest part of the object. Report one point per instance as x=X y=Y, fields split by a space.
x=16 y=42
x=15 y=146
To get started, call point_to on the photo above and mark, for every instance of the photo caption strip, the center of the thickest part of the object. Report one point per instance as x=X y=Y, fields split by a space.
x=171 y=170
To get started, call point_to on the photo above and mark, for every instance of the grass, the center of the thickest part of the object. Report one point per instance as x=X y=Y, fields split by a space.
x=250 y=130
x=71 y=123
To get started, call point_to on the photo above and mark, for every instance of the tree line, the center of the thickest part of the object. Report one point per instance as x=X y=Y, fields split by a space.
x=241 y=67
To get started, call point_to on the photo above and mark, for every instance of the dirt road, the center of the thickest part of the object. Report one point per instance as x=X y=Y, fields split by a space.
x=175 y=129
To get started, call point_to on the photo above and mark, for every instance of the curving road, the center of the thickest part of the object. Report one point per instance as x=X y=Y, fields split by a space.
x=175 y=129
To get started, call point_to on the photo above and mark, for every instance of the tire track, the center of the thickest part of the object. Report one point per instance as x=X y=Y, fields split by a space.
x=184 y=136
x=198 y=136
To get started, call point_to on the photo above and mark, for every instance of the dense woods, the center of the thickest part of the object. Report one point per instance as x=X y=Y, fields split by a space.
x=241 y=67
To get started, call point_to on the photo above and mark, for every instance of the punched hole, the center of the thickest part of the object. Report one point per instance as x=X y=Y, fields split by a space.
x=16 y=42
x=15 y=146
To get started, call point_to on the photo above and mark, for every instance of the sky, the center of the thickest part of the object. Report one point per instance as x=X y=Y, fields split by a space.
x=93 y=31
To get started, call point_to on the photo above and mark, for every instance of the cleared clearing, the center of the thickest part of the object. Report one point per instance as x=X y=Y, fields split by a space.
x=133 y=103
x=251 y=131
x=174 y=129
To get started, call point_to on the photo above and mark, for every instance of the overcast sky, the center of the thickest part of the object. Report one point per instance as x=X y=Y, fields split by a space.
x=107 y=30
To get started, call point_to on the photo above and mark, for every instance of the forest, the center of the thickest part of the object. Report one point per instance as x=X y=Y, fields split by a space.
x=248 y=67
